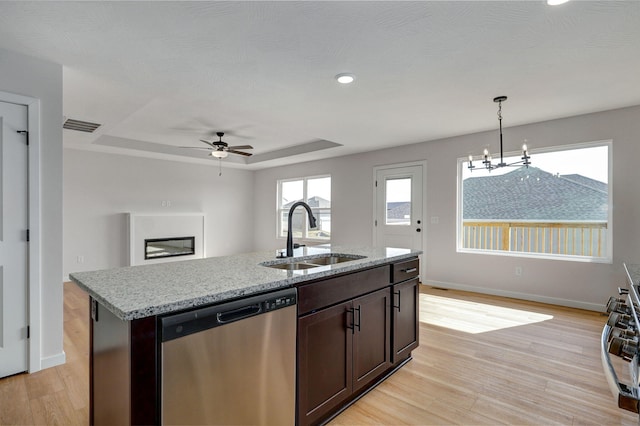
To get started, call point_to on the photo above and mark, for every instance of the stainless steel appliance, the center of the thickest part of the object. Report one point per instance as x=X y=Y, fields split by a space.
x=232 y=363
x=620 y=338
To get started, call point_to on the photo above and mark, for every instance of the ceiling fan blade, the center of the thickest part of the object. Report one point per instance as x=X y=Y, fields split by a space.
x=196 y=147
x=246 y=154
x=240 y=147
x=208 y=143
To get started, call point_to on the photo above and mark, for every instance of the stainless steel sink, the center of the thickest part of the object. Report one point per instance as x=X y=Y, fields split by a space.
x=292 y=266
x=308 y=262
x=332 y=259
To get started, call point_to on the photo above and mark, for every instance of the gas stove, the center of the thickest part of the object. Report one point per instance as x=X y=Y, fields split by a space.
x=621 y=338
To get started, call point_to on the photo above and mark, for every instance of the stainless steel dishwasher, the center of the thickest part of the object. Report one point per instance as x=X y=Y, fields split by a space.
x=232 y=363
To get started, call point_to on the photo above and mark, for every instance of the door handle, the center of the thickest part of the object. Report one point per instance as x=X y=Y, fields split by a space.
x=398 y=293
x=354 y=324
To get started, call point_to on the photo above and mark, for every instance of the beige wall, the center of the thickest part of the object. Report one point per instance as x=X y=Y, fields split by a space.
x=580 y=284
x=100 y=188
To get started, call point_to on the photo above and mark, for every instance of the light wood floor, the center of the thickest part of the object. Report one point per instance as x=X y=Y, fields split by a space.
x=481 y=360
x=58 y=395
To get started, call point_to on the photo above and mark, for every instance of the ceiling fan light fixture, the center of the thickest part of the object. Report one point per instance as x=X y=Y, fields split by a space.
x=556 y=2
x=345 y=78
x=219 y=154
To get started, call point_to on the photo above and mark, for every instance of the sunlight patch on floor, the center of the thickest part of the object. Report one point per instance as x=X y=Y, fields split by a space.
x=473 y=317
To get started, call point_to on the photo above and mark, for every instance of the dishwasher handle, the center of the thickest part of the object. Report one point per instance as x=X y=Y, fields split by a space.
x=238 y=314
x=176 y=325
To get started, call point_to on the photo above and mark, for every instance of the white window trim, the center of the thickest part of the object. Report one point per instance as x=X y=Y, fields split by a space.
x=607 y=258
x=304 y=196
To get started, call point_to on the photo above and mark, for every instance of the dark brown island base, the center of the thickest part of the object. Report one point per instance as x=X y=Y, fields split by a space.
x=354 y=329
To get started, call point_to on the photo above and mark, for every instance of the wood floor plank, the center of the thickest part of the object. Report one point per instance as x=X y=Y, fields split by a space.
x=14 y=402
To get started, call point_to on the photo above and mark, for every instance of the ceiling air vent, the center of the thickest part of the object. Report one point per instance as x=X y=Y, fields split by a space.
x=81 y=126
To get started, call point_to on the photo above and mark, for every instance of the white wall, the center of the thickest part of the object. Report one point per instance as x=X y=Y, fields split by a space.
x=100 y=188
x=40 y=79
x=585 y=285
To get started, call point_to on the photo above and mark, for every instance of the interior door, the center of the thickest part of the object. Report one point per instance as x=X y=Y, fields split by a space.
x=398 y=208
x=13 y=239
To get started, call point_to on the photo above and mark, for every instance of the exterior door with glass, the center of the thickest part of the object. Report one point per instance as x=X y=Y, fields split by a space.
x=398 y=207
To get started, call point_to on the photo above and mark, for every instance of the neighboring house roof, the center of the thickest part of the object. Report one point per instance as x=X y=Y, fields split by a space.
x=533 y=194
x=399 y=210
x=313 y=202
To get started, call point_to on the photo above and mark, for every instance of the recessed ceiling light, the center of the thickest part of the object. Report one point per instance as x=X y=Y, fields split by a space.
x=556 y=2
x=345 y=78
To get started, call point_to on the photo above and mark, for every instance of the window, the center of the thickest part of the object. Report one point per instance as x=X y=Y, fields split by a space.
x=316 y=192
x=558 y=207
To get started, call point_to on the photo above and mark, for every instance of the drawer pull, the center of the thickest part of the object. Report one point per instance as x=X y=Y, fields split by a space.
x=409 y=270
x=398 y=306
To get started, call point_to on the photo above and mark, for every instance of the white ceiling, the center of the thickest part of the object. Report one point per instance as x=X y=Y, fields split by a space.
x=158 y=75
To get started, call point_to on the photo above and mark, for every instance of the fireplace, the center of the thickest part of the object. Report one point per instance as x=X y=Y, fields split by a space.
x=155 y=248
x=158 y=238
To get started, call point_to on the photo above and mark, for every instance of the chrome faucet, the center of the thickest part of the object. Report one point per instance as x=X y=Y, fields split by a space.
x=312 y=224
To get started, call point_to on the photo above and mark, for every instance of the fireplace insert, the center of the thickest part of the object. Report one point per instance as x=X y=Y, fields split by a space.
x=156 y=248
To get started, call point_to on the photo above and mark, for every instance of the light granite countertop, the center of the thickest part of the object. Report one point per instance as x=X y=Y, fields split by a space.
x=140 y=291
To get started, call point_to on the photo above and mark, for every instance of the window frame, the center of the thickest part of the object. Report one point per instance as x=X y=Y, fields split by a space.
x=279 y=210
x=607 y=257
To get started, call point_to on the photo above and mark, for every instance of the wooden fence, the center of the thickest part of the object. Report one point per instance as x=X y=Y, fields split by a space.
x=566 y=238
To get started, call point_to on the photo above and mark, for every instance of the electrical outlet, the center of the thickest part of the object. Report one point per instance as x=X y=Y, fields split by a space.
x=435 y=220
x=163 y=203
x=80 y=259
x=518 y=271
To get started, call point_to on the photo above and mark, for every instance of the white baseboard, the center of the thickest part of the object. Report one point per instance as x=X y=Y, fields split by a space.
x=517 y=295
x=53 y=360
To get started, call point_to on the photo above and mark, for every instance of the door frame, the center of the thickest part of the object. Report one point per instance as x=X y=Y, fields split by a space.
x=34 y=362
x=376 y=169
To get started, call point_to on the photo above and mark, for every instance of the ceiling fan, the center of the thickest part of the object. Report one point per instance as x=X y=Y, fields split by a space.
x=221 y=149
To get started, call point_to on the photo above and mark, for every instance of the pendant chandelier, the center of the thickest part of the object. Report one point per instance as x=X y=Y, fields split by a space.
x=487 y=160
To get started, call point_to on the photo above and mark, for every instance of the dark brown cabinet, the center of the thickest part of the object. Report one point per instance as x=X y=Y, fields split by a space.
x=344 y=340
x=341 y=349
x=325 y=370
x=406 y=303
x=371 y=337
x=405 y=319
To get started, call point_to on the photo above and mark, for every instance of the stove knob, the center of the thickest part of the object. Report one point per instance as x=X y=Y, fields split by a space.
x=620 y=320
x=617 y=305
x=623 y=334
x=624 y=348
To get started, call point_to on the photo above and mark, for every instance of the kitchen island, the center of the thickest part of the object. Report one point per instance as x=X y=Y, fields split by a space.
x=128 y=303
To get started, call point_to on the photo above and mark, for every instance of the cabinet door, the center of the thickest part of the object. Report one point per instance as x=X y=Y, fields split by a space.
x=324 y=361
x=406 y=330
x=371 y=338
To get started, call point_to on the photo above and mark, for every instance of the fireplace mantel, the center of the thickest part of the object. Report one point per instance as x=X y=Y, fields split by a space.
x=144 y=227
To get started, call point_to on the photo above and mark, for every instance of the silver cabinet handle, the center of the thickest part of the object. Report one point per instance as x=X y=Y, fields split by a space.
x=409 y=270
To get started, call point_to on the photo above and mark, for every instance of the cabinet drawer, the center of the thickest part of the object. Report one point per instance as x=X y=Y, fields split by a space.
x=404 y=270
x=334 y=290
